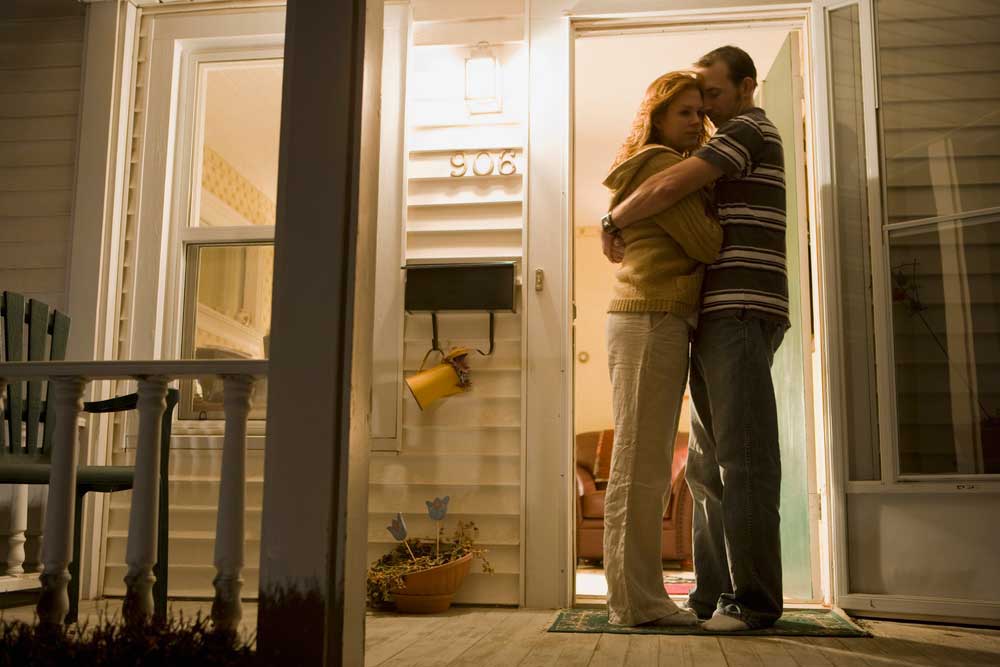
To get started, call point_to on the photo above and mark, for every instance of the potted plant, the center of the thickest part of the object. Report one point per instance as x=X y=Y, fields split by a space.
x=421 y=576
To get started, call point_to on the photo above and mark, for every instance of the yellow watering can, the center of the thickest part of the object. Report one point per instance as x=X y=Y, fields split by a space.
x=447 y=378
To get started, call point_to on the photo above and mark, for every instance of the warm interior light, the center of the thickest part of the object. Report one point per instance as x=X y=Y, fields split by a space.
x=482 y=81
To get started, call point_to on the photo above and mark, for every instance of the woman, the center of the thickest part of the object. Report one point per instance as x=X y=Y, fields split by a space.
x=657 y=296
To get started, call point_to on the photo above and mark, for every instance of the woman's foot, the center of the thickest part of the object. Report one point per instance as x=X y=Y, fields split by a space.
x=681 y=617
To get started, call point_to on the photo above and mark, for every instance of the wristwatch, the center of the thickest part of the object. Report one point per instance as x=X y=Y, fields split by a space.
x=608 y=225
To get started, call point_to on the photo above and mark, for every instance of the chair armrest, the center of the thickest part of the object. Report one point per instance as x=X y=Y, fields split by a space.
x=584 y=482
x=116 y=404
x=127 y=402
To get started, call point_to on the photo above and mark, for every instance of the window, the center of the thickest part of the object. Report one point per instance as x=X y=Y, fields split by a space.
x=228 y=248
x=940 y=122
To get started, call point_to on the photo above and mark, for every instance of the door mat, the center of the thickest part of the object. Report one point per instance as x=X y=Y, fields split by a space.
x=793 y=623
x=678 y=589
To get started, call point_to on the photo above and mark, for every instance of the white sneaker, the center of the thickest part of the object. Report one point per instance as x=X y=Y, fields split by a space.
x=721 y=622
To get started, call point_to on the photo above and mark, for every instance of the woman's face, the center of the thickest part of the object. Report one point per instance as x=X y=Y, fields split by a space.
x=680 y=124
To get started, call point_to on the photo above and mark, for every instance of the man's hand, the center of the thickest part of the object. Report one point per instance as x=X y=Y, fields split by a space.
x=613 y=246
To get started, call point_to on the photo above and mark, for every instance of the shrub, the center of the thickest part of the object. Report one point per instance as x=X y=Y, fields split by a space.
x=112 y=643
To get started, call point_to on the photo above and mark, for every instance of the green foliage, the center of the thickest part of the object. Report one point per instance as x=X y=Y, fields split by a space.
x=389 y=571
x=113 y=643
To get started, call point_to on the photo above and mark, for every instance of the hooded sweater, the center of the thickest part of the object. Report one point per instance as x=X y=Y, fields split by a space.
x=666 y=254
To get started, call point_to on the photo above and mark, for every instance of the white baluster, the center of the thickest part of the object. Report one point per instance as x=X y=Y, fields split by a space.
x=58 y=529
x=229 y=529
x=18 y=525
x=18 y=513
x=140 y=553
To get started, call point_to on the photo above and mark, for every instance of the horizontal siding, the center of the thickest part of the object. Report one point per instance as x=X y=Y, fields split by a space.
x=467 y=446
x=41 y=52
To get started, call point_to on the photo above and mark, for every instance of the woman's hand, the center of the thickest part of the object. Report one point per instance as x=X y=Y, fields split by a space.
x=613 y=247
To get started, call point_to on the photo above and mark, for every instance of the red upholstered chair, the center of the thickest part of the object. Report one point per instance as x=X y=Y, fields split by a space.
x=676 y=539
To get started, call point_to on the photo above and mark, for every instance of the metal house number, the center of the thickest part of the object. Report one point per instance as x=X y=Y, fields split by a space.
x=484 y=164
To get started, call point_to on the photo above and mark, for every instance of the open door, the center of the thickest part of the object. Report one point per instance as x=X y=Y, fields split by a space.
x=781 y=96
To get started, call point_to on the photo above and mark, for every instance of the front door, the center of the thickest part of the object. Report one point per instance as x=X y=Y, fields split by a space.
x=909 y=135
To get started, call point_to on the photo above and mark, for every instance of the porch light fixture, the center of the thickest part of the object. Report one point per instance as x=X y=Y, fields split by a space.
x=482 y=81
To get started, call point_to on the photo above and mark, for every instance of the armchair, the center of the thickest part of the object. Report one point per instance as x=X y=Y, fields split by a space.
x=676 y=538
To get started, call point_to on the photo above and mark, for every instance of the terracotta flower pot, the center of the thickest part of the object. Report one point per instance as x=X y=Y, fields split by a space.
x=430 y=591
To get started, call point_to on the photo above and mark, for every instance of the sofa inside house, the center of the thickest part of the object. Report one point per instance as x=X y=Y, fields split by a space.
x=593 y=451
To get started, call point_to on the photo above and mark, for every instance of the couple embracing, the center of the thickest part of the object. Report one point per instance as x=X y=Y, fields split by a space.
x=698 y=225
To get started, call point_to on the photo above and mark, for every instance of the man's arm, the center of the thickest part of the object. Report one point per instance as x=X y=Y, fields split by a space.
x=663 y=190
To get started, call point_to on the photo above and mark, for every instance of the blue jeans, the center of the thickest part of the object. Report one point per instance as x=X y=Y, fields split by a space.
x=734 y=469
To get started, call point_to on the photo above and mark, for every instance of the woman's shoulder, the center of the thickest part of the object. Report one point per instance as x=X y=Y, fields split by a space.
x=647 y=161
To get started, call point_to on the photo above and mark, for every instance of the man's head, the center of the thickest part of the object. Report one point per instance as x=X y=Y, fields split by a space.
x=729 y=78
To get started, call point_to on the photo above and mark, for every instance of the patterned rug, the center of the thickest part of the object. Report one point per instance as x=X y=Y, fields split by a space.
x=794 y=623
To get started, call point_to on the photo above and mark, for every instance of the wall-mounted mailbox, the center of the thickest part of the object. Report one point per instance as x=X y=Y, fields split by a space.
x=485 y=287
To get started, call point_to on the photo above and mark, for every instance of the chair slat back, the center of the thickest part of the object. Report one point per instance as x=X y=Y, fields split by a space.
x=29 y=410
x=59 y=329
x=13 y=330
x=38 y=324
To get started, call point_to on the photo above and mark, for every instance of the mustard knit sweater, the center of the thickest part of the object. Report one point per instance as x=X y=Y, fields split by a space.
x=666 y=254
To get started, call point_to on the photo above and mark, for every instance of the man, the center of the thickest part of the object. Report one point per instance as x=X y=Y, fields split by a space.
x=733 y=467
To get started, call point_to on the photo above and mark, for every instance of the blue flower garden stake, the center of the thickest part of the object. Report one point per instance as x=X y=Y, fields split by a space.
x=398 y=530
x=437 y=509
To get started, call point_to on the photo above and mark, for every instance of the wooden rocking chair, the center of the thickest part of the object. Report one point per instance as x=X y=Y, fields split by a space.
x=27 y=460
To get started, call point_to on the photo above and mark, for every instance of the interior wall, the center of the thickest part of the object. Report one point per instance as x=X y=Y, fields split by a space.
x=611 y=75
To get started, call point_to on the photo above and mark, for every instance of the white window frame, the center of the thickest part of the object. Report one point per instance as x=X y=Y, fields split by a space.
x=182 y=43
x=188 y=175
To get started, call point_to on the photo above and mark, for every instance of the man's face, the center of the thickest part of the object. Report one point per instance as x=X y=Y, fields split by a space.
x=723 y=99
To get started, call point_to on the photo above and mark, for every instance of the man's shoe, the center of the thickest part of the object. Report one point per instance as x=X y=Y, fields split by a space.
x=721 y=622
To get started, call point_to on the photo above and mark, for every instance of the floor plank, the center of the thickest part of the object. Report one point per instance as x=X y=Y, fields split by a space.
x=509 y=642
x=449 y=639
x=578 y=650
x=802 y=652
x=738 y=652
x=837 y=653
x=674 y=652
x=642 y=650
x=396 y=632
x=706 y=651
x=770 y=653
x=547 y=650
x=611 y=651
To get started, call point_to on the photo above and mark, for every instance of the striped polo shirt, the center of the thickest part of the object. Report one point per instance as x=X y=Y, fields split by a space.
x=750 y=271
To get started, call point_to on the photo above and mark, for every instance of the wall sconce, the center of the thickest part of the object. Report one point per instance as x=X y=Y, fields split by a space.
x=482 y=81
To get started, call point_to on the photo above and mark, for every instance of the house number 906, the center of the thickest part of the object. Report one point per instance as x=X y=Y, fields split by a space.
x=484 y=164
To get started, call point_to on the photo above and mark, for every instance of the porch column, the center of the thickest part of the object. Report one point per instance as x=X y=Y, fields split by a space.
x=312 y=579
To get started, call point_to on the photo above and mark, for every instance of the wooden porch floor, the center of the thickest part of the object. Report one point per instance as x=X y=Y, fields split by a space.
x=506 y=637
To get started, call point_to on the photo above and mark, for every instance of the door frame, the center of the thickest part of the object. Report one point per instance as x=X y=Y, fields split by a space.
x=558 y=43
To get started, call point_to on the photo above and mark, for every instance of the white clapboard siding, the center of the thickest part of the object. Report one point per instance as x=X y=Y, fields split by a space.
x=41 y=49
x=468 y=446
x=194 y=497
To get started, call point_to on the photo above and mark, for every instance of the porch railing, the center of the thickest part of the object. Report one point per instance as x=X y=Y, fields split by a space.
x=67 y=381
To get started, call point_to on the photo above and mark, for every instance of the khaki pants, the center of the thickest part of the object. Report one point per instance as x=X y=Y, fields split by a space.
x=648 y=361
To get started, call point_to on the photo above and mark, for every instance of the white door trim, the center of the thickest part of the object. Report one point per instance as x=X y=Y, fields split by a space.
x=550 y=557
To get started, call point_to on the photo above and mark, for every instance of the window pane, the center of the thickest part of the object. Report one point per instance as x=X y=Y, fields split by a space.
x=940 y=93
x=946 y=326
x=229 y=317
x=852 y=224
x=239 y=170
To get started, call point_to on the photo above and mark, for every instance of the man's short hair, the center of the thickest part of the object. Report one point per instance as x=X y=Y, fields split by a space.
x=738 y=61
